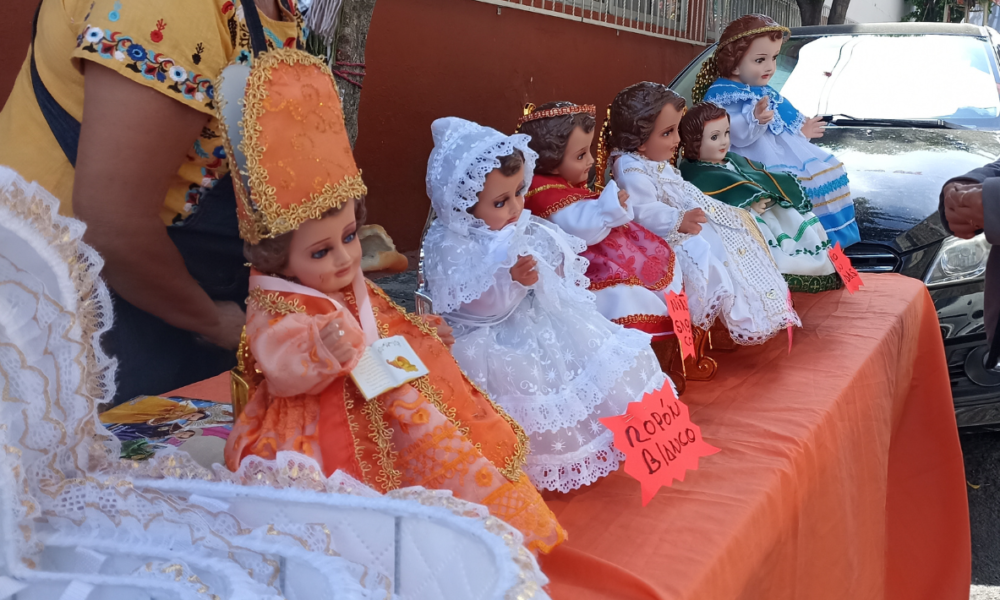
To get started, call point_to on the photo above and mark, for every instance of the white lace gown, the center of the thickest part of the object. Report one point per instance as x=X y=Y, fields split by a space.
x=728 y=269
x=544 y=352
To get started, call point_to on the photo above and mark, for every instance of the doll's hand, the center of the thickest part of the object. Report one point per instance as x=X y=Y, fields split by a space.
x=760 y=207
x=340 y=341
x=813 y=128
x=691 y=221
x=524 y=271
x=762 y=113
x=444 y=330
x=623 y=199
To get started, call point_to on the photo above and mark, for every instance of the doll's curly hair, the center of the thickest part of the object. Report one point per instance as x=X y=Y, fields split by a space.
x=693 y=126
x=634 y=112
x=270 y=255
x=550 y=136
x=728 y=56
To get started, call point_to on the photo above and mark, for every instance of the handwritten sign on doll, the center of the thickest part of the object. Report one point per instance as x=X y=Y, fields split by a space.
x=386 y=365
x=659 y=441
x=680 y=314
x=847 y=272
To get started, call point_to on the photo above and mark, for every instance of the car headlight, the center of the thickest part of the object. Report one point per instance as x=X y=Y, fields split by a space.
x=958 y=261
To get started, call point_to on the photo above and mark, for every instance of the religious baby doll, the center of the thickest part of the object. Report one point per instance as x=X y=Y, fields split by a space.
x=725 y=262
x=767 y=128
x=631 y=269
x=777 y=201
x=316 y=329
x=526 y=328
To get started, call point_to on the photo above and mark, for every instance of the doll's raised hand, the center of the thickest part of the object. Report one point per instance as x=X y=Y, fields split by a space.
x=691 y=221
x=623 y=198
x=444 y=330
x=343 y=342
x=761 y=206
x=761 y=112
x=524 y=271
x=813 y=128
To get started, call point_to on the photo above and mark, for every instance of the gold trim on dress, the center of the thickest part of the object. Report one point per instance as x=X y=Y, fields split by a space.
x=275 y=302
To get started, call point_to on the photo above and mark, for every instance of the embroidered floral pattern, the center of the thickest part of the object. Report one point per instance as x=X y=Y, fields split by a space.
x=151 y=65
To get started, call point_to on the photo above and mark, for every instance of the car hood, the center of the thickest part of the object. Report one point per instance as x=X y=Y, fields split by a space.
x=897 y=173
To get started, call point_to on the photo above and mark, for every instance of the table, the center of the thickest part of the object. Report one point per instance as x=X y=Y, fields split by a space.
x=840 y=474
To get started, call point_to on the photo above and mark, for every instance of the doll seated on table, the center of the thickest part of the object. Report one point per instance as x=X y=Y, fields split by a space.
x=798 y=242
x=726 y=265
x=767 y=128
x=526 y=328
x=312 y=319
x=631 y=268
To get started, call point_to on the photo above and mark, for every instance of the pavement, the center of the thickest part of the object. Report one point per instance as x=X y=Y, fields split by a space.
x=982 y=471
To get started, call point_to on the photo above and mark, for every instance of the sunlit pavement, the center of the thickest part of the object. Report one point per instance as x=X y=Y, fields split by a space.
x=985 y=592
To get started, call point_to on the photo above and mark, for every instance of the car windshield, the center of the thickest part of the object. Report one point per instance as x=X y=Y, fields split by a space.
x=948 y=77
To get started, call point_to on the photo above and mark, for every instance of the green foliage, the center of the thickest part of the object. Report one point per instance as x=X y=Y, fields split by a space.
x=932 y=11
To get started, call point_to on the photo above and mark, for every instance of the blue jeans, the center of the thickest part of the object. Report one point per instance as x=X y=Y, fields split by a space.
x=154 y=357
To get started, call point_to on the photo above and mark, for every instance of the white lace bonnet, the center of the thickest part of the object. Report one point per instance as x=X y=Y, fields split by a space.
x=464 y=153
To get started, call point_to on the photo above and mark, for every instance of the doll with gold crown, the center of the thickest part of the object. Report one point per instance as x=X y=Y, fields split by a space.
x=767 y=128
x=336 y=370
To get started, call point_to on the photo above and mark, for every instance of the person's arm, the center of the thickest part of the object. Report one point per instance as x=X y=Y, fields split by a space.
x=132 y=143
x=988 y=176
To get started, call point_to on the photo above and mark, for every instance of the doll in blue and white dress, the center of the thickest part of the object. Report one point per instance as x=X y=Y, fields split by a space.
x=766 y=128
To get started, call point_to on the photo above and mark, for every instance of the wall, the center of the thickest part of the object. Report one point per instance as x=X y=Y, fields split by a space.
x=16 y=15
x=434 y=58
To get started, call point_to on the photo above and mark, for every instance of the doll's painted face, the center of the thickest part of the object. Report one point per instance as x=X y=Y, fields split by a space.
x=715 y=141
x=663 y=141
x=577 y=161
x=759 y=63
x=325 y=254
x=502 y=199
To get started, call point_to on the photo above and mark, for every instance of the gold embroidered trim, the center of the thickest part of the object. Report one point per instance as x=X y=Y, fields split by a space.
x=512 y=464
x=823 y=172
x=824 y=203
x=555 y=207
x=352 y=424
x=275 y=303
x=767 y=29
x=270 y=219
x=641 y=319
x=545 y=188
x=634 y=170
x=380 y=433
x=726 y=189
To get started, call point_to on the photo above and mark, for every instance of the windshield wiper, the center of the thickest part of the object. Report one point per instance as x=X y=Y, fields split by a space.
x=848 y=121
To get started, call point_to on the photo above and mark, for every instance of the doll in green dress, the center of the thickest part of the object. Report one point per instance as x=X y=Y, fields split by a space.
x=779 y=204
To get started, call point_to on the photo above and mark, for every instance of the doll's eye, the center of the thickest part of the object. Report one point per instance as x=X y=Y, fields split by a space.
x=350 y=237
x=499 y=204
x=668 y=132
x=581 y=156
x=320 y=253
x=520 y=191
x=715 y=137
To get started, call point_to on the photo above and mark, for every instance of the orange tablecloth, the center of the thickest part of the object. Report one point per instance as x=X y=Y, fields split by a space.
x=840 y=474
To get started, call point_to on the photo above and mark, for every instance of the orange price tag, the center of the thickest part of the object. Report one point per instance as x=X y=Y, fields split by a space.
x=847 y=272
x=659 y=441
x=680 y=314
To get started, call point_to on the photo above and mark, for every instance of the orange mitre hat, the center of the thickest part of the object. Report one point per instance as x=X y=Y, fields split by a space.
x=288 y=148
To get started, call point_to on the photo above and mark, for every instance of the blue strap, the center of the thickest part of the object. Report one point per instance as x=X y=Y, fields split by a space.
x=64 y=127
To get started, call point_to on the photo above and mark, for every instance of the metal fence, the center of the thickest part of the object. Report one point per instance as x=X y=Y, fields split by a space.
x=695 y=21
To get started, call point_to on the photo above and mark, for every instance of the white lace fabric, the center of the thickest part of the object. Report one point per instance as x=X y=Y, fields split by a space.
x=76 y=520
x=544 y=353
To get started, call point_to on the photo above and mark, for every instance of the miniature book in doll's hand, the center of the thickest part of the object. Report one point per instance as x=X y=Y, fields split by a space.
x=148 y=424
x=386 y=365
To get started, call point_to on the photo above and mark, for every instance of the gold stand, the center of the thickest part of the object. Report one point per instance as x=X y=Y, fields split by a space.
x=719 y=338
x=700 y=367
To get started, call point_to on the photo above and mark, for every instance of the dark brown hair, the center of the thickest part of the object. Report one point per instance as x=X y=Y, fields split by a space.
x=634 y=112
x=270 y=255
x=693 y=126
x=510 y=164
x=550 y=136
x=728 y=57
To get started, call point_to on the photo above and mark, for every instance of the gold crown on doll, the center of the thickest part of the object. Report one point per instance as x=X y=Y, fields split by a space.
x=284 y=135
x=710 y=68
x=530 y=114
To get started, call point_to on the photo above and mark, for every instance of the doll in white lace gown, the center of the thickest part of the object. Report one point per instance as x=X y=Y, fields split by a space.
x=526 y=329
x=726 y=264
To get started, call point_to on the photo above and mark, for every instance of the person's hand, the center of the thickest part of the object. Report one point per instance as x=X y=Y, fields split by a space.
x=524 y=271
x=444 y=330
x=760 y=207
x=340 y=341
x=623 y=199
x=227 y=332
x=762 y=113
x=963 y=208
x=691 y=221
x=813 y=128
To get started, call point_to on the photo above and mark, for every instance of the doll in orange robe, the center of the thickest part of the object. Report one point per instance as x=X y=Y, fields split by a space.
x=311 y=315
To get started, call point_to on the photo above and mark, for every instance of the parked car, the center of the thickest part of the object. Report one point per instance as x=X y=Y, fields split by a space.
x=910 y=106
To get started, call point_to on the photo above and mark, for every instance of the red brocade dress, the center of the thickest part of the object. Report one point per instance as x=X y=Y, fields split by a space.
x=631 y=269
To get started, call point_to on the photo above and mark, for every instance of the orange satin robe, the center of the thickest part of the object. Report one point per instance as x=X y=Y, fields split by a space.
x=439 y=431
